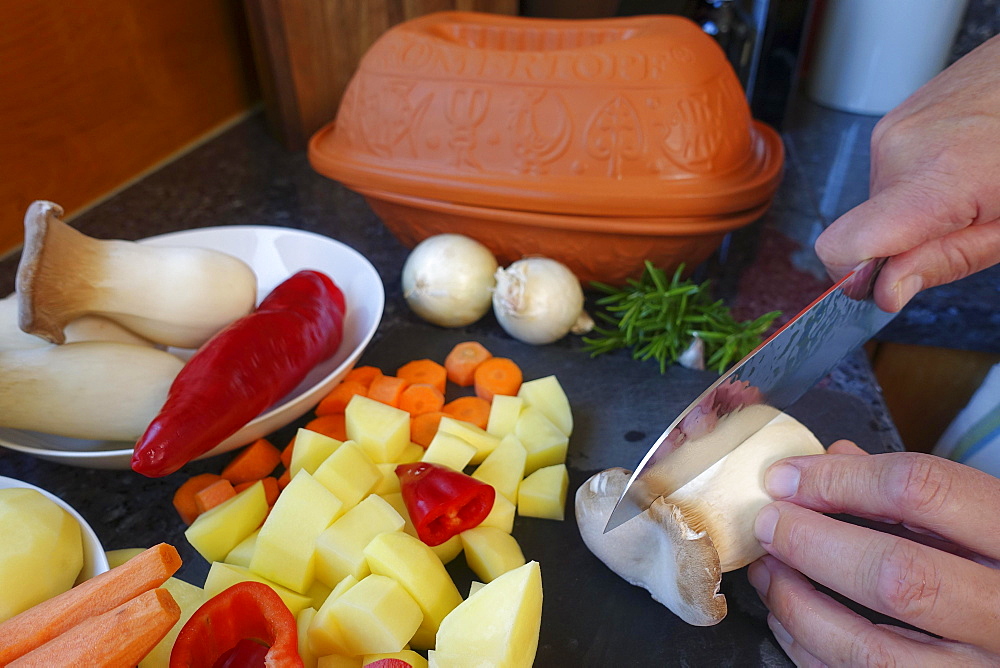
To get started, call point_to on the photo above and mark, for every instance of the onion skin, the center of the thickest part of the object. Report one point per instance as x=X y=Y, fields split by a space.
x=448 y=280
x=537 y=300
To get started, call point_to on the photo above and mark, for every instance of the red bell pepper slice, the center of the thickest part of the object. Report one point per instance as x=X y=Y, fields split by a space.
x=389 y=663
x=218 y=631
x=443 y=502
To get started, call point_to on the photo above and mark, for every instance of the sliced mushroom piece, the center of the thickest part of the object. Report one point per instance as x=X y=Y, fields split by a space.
x=657 y=550
x=679 y=547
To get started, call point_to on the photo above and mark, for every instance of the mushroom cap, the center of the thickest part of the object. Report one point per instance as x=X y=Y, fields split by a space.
x=656 y=550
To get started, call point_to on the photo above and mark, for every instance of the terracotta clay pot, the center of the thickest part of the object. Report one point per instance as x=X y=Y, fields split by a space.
x=622 y=122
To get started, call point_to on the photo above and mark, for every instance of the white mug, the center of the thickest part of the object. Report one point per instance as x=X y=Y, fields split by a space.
x=871 y=55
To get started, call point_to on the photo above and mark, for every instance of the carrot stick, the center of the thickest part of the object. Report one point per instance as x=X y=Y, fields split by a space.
x=122 y=636
x=462 y=361
x=363 y=374
x=37 y=625
x=387 y=389
x=253 y=462
x=497 y=375
x=421 y=398
x=471 y=409
x=336 y=399
x=184 y=500
x=424 y=371
x=423 y=427
x=213 y=495
x=332 y=425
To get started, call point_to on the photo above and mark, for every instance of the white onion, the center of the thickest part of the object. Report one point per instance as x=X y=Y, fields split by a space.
x=537 y=300
x=448 y=280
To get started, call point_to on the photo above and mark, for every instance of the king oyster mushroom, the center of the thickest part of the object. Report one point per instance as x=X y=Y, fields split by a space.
x=679 y=548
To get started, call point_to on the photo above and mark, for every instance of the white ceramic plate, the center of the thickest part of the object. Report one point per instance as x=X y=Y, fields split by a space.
x=274 y=253
x=95 y=561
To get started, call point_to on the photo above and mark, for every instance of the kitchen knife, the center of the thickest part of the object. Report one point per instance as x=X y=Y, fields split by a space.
x=752 y=393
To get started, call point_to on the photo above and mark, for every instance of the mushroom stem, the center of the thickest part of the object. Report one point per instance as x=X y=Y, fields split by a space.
x=169 y=295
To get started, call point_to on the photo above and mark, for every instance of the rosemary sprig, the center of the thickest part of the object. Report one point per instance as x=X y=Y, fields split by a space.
x=657 y=316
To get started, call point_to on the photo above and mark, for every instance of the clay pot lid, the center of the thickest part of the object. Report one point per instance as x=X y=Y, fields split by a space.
x=636 y=116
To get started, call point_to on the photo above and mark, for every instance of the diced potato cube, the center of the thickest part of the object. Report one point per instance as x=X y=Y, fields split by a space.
x=504 y=411
x=318 y=593
x=340 y=548
x=491 y=552
x=217 y=531
x=441 y=659
x=498 y=624
x=544 y=442
x=338 y=661
x=547 y=395
x=243 y=552
x=286 y=544
x=222 y=576
x=411 y=453
x=407 y=655
x=376 y=615
x=389 y=484
x=120 y=556
x=475 y=586
x=325 y=635
x=189 y=598
x=382 y=430
x=302 y=622
x=349 y=473
x=414 y=565
x=501 y=514
x=310 y=450
x=543 y=493
x=448 y=550
x=483 y=441
x=504 y=467
x=449 y=450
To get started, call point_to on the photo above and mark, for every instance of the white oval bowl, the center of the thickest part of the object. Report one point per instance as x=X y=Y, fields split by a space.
x=274 y=254
x=95 y=561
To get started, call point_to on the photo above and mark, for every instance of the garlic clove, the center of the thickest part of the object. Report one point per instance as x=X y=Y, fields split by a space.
x=656 y=550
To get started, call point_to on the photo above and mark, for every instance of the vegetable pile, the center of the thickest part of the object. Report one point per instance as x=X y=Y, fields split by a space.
x=356 y=541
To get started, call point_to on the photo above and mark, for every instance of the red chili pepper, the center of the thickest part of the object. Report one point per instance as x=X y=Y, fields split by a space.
x=442 y=502
x=242 y=370
x=218 y=631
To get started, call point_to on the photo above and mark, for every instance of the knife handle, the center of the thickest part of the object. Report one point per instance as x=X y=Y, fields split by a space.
x=860 y=282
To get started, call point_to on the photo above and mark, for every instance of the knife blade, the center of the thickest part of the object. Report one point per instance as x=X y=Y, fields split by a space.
x=744 y=399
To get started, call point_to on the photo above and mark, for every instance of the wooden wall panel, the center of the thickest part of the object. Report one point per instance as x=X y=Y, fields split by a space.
x=95 y=92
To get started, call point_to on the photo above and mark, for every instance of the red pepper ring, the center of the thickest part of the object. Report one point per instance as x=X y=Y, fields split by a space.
x=442 y=502
x=245 y=611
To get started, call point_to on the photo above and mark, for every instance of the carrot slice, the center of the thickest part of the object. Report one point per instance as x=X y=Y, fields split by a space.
x=424 y=426
x=471 y=409
x=421 y=398
x=462 y=361
x=424 y=371
x=213 y=495
x=497 y=375
x=336 y=400
x=363 y=374
x=37 y=625
x=270 y=488
x=333 y=425
x=122 y=636
x=184 y=500
x=387 y=389
x=253 y=462
x=286 y=454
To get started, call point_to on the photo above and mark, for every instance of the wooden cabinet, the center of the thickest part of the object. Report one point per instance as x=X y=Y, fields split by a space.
x=926 y=387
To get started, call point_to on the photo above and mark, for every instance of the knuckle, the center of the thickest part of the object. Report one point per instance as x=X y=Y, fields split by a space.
x=920 y=486
x=870 y=649
x=906 y=584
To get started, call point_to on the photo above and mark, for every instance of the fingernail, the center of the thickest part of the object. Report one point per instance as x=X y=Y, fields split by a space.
x=759 y=577
x=780 y=634
x=763 y=527
x=907 y=288
x=782 y=481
